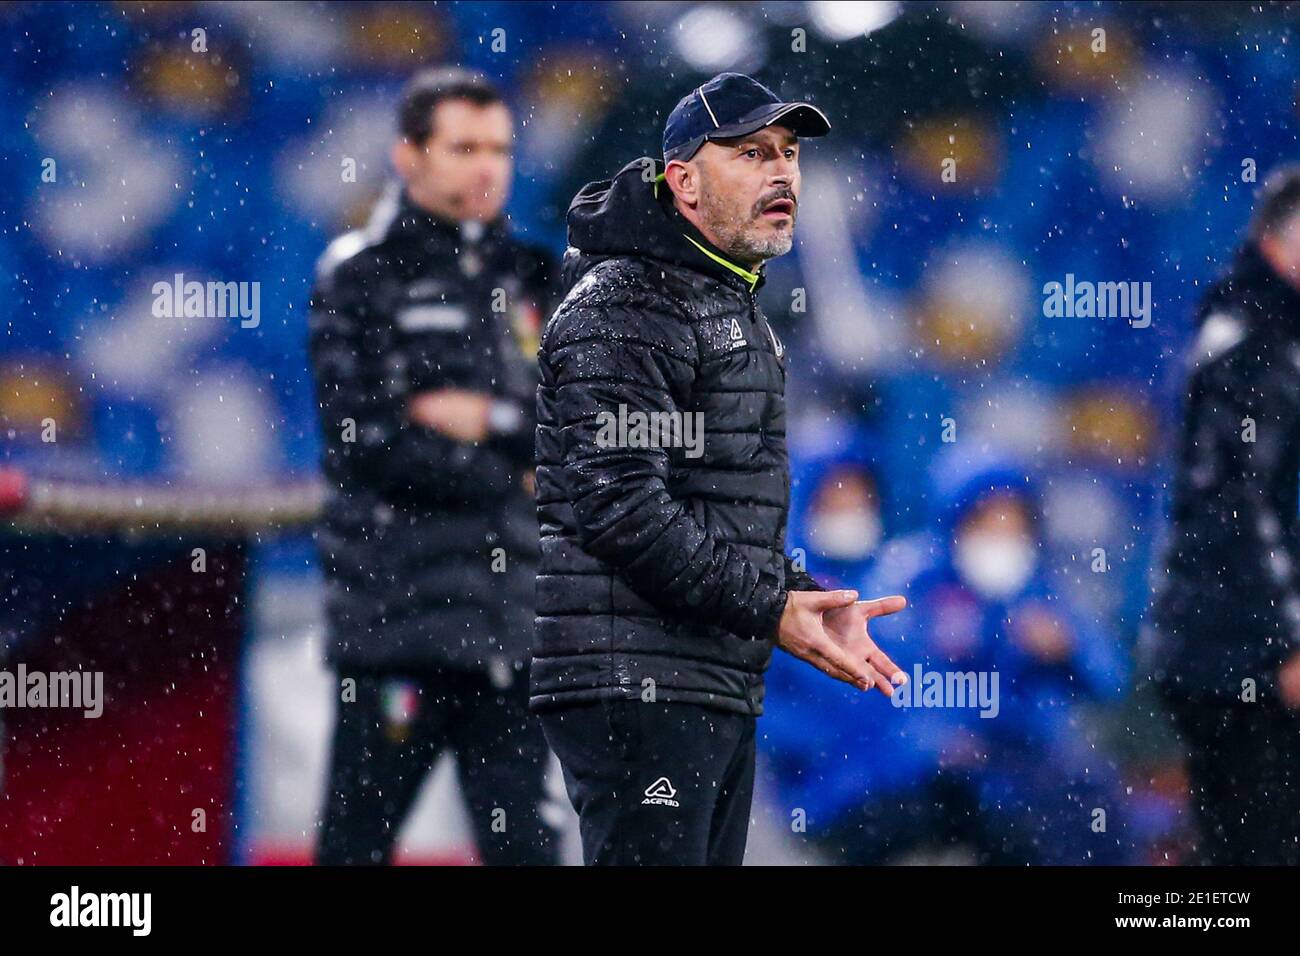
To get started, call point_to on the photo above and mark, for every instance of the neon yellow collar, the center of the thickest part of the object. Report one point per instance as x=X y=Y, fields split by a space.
x=750 y=277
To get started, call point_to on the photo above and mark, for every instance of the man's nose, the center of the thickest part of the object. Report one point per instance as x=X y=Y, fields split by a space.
x=783 y=172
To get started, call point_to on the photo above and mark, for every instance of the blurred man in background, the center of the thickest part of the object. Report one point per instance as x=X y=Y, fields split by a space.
x=423 y=337
x=1226 y=613
x=664 y=585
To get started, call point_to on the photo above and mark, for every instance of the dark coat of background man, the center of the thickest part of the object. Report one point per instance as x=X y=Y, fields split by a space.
x=664 y=585
x=423 y=340
x=1226 y=616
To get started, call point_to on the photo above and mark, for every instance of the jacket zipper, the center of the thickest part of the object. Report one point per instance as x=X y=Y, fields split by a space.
x=753 y=320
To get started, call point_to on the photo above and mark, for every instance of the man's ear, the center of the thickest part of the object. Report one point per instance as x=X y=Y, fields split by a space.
x=1274 y=253
x=405 y=156
x=684 y=180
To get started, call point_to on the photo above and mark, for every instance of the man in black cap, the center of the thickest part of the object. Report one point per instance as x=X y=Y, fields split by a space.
x=663 y=486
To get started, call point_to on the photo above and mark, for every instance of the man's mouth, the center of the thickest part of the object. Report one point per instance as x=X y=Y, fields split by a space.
x=779 y=208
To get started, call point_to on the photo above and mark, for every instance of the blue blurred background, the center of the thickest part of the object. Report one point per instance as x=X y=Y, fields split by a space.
x=912 y=308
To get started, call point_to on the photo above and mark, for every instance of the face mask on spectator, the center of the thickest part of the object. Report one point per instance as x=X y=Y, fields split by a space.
x=845 y=535
x=994 y=564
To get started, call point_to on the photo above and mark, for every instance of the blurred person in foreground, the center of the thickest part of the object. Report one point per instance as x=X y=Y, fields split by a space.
x=423 y=343
x=1225 y=621
x=664 y=585
x=1007 y=776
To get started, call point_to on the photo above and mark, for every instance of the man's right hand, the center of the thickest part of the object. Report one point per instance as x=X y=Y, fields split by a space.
x=803 y=634
x=459 y=414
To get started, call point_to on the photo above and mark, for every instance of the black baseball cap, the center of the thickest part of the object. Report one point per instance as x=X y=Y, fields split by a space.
x=732 y=104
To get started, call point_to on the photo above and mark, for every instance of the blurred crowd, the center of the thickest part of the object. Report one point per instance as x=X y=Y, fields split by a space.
x=1001 y=468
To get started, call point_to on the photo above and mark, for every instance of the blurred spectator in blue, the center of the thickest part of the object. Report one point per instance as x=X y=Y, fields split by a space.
x=841 y=491
x=1013 y=777
x=835 y=523
x=836 y=528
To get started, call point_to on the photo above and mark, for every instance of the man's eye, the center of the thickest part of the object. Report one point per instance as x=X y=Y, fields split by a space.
x=751 y=153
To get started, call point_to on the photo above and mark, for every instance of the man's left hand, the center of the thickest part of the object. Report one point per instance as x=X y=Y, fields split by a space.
x=848 y=627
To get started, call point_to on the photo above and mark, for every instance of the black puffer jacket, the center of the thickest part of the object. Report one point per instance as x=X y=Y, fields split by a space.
x=1227 y=601
x=662 y=567
x=429 y=545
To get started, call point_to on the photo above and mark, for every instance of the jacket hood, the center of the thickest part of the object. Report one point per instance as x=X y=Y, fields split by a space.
x=960 y=479
x=633 y=215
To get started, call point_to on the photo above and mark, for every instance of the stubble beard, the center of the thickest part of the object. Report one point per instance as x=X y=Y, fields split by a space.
x=736 y=230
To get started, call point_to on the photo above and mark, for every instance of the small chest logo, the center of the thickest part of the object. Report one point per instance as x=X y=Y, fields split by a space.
x=401 y=704
x=737 y=336
x=661 y=793
x=526 y=325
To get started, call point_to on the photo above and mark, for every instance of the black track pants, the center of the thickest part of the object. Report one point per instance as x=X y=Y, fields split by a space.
x=381 y=756
x=661 y=783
